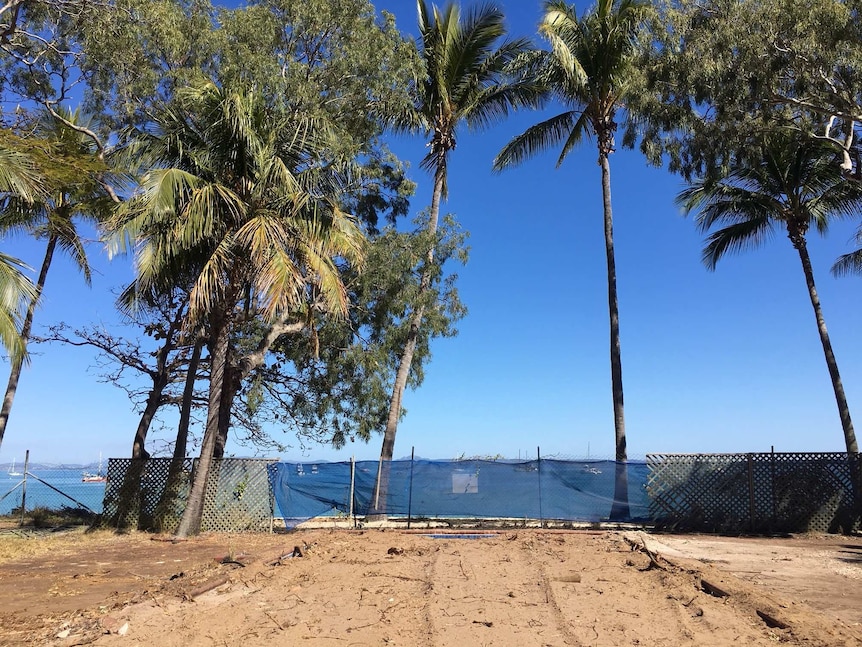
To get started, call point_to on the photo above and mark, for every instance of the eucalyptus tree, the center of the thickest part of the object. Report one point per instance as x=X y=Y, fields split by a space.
x=590 y=69
x=723 y=71
x=74 y=179
x=463 y=83
x=237 y=198
x=797 y=184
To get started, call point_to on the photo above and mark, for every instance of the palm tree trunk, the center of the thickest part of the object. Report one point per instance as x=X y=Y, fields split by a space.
x=18 y=362
x=387 y=450
x=190 y=524
x=230 y=388
x=831 y=362
x=620 y=507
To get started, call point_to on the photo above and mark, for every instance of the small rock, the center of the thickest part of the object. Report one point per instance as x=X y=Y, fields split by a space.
x=395 y=551
x=64 y=634
x=112 y=624
x=122 y=631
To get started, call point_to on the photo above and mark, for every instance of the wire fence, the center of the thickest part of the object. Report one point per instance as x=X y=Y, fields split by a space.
x=542 y=490
x=150 y=494
x=43 y=495
x=768 y=492
x=756 y=492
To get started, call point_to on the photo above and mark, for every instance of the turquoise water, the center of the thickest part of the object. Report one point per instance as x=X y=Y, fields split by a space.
x=68 y=481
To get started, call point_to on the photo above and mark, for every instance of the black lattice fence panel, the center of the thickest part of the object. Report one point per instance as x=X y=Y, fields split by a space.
x=238 y=497
x=151 y=494
x=763 y=492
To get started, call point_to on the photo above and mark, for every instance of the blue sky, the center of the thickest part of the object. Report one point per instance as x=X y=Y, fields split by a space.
x=724 y=361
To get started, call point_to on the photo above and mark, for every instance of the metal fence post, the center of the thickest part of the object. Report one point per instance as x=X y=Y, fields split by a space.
x=539 y=474
x=350 y=508
x=772 y=484
x=410 y=493
x=24 y=485
x=751 y=491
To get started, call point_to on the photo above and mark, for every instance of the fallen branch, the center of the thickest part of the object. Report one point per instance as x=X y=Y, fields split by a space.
x=771 y=621
x=278 y=624
x=713 y=590
x=642 y=547
x=208 y=586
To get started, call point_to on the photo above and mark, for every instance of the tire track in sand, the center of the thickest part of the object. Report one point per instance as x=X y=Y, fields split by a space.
x=476 y=601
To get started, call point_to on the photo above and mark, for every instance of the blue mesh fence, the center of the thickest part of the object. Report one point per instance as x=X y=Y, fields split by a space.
x=540 y=489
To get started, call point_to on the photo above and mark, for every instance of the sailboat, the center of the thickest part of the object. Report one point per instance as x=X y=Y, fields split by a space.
x=12 y=471
x=98 y=477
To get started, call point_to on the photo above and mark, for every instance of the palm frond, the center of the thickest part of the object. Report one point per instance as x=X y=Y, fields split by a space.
x=734 y=238
x=536 y=139
x=16 y=291
x=848 y=264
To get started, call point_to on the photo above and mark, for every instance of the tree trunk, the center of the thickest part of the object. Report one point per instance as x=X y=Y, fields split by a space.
x=831 y=362
x=166 y=514
x=229 y=391
x=378 y=504
x=236 y=373
x=190 y=524
x=18 y=362
x=620 y=507
x=186 y=406
x=161 y=379
x=154 y=401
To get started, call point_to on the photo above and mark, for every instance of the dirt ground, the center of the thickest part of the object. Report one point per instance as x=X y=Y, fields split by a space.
x=525 y=587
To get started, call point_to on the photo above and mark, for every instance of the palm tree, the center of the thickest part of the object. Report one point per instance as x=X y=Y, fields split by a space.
x=21 y=181
x=238 y=200
x=590 y=70
x=69 y=161
x=797 y=183
x=463 y=83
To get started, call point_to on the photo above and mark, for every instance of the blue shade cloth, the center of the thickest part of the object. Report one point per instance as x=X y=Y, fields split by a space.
x=546 y=489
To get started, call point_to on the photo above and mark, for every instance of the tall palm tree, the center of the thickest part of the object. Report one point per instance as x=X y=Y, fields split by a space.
x=797 y=184
x=465 y=58
x=237 y=199
x=589 y=70
x=70 y=165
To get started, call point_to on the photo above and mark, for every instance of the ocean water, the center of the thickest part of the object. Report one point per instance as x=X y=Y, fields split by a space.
x=52 y=488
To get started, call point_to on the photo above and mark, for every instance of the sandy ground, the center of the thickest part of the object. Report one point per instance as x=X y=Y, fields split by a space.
x=372 y=587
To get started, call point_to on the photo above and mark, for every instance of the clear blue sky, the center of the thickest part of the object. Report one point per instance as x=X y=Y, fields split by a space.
x=724 y=361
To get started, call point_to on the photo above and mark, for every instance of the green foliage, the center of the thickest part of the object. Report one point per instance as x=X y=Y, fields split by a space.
x=342 y=392
x=230 y=204
x=590 y=69
x=724 y=71
x=38 y=49
x=465 y=59
x=797 y=183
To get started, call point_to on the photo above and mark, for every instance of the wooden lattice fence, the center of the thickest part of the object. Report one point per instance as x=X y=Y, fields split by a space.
x=764 y=492
x=151 y=494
